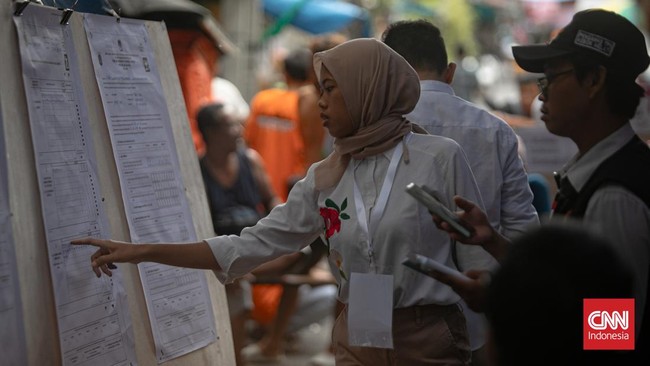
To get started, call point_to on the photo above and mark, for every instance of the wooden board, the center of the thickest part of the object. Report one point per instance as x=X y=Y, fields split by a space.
x=31 y=251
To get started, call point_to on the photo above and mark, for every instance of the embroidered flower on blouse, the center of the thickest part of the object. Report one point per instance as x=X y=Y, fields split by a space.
x=332 y=216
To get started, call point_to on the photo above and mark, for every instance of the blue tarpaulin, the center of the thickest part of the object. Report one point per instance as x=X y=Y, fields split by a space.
x=318 y=16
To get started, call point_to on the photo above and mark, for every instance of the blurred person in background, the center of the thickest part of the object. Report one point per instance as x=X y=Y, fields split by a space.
x=227 y=93
x=239 y=194
x=273 y=126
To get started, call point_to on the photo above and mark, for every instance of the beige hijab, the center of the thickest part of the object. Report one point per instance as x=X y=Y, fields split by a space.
x=379 y=87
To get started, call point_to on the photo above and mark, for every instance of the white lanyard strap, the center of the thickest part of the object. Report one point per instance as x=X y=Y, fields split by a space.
x=369 y=225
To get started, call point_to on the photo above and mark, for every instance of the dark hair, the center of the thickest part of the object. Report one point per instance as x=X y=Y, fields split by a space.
x=622 y=94
x=419 y=42
x=536 y=297
x=298 y=63
x=324 y=43
x=211 y=116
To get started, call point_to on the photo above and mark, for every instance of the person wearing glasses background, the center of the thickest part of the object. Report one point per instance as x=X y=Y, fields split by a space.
x=589 y=94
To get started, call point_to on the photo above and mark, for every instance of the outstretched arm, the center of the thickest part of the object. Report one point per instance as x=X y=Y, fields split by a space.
x=193 y=255
x=483 y=233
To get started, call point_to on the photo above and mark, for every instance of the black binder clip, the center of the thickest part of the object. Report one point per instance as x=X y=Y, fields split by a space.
x=20 y=7
x=115 y=14
x=65 y=18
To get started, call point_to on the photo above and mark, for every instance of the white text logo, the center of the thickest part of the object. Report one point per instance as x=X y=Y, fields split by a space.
x=598 y=320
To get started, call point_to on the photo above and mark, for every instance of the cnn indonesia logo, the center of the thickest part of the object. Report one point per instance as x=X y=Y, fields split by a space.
x=608 y=324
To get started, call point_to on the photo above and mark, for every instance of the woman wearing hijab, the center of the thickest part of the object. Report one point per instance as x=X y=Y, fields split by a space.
x=355 y=200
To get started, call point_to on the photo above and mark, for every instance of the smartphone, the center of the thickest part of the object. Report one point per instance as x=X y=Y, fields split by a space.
x=425 y=265
x=438 y=209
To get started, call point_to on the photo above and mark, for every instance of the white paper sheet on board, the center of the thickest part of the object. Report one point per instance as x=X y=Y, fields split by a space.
x=157 y=210
x=92 y=313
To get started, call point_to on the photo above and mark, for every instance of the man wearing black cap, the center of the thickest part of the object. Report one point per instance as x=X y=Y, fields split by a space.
x=589 y=94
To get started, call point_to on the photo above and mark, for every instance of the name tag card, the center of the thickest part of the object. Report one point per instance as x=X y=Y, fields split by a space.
x=370 y=310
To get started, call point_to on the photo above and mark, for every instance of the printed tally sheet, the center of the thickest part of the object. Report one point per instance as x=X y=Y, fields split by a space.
x=12 y=332
x=157 y=210
x=92 y=313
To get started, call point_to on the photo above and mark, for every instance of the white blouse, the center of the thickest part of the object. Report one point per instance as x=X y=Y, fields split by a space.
x=406 y=226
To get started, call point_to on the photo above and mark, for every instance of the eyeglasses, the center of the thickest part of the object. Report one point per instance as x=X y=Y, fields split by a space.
x=544 y=82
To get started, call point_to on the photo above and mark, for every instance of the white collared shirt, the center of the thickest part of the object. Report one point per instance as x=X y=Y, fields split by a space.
x=406 y=226
x=616 y=213
x=491 y=149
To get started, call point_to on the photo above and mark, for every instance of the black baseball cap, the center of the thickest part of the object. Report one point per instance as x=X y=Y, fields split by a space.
x=599 y=34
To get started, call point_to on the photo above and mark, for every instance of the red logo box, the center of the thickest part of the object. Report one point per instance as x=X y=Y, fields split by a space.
x=608 y=324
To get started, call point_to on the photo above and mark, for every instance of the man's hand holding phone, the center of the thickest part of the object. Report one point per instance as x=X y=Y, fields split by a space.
x=440 y=212
x=482 y=233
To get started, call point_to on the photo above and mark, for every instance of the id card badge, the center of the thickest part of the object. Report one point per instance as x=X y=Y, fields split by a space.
x=370 y=310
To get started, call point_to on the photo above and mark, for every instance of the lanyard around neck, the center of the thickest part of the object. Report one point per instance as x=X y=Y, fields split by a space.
x=369 y=224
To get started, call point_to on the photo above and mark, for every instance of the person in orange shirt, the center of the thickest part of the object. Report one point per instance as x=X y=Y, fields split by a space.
x=273 y=126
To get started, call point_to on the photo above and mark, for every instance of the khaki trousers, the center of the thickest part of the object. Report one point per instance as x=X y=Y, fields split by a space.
x=422 y=335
